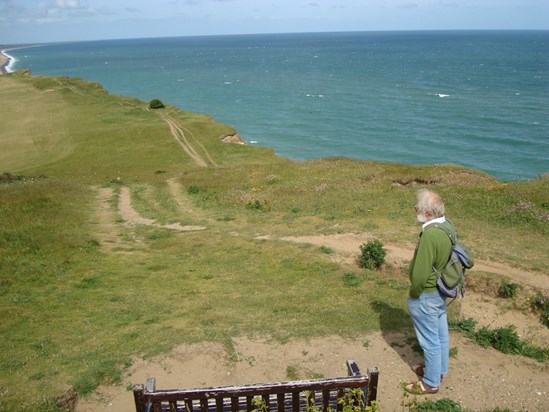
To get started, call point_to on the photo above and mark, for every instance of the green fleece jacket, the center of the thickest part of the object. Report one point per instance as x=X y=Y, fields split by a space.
x=433 y=249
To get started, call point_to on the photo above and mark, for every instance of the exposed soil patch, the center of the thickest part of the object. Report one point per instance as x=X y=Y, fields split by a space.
x=481 y=379
x=416 y=181
x=106 y=217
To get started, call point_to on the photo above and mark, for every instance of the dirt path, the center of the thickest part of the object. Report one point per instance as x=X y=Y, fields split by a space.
x=109 y=210
x=181 y=139
x=108 y=232
x=347 y=247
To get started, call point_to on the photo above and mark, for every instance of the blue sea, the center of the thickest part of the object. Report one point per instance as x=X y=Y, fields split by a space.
x=479 y=99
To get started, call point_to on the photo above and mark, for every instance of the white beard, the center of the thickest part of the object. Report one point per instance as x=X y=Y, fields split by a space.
x=421 y=218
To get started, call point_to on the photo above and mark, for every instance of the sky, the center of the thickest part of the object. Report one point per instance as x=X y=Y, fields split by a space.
x=42 y=21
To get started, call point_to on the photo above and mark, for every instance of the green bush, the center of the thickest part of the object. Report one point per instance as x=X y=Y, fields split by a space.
x=508 y=290
x=156 y=104
x=372 y=255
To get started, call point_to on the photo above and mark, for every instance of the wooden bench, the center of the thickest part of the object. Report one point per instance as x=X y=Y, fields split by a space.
x=279 y=396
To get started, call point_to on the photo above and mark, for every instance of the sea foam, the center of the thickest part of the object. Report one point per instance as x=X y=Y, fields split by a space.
x=11 y=62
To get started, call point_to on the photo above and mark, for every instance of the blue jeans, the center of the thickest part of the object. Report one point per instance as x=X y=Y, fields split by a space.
x=431 y=325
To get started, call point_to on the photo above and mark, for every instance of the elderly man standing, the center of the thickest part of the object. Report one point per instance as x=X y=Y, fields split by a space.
x=426 y=305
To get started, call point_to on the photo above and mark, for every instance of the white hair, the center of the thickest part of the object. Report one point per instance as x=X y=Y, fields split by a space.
x=430 y=202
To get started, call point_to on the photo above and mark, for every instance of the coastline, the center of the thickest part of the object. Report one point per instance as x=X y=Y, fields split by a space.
x=302 y=134
x=5 y=62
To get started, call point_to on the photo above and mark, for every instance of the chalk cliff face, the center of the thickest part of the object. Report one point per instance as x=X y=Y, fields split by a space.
x=232 y=138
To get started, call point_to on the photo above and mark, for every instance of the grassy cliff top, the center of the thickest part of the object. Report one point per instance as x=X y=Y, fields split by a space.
x=128 y=231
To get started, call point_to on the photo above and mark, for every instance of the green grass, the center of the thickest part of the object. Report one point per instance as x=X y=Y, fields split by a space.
x=76 y=315
x=75 y=309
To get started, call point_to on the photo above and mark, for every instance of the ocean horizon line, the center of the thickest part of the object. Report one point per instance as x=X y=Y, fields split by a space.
x=14 y=46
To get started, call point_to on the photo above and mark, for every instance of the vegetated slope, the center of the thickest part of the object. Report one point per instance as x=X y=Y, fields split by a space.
x=74 y=128
x=75 y=312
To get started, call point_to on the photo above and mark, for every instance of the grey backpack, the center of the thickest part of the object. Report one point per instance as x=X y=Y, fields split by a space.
x=451 y=279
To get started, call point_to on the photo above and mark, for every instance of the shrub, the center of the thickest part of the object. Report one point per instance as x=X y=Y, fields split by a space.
x=156 y=104
x=372 y=255
x=508 y=290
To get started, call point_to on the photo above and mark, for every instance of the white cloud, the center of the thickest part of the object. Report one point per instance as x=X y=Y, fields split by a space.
x=69 y=4
x=33 y=20
x=44 y=12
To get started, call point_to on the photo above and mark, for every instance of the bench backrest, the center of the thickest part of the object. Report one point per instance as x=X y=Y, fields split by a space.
x=279 y=396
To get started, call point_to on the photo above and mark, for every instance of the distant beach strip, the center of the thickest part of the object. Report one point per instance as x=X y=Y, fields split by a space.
x=5 y=62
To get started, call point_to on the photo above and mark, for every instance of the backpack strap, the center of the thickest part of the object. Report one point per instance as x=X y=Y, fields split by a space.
x=452 y=233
